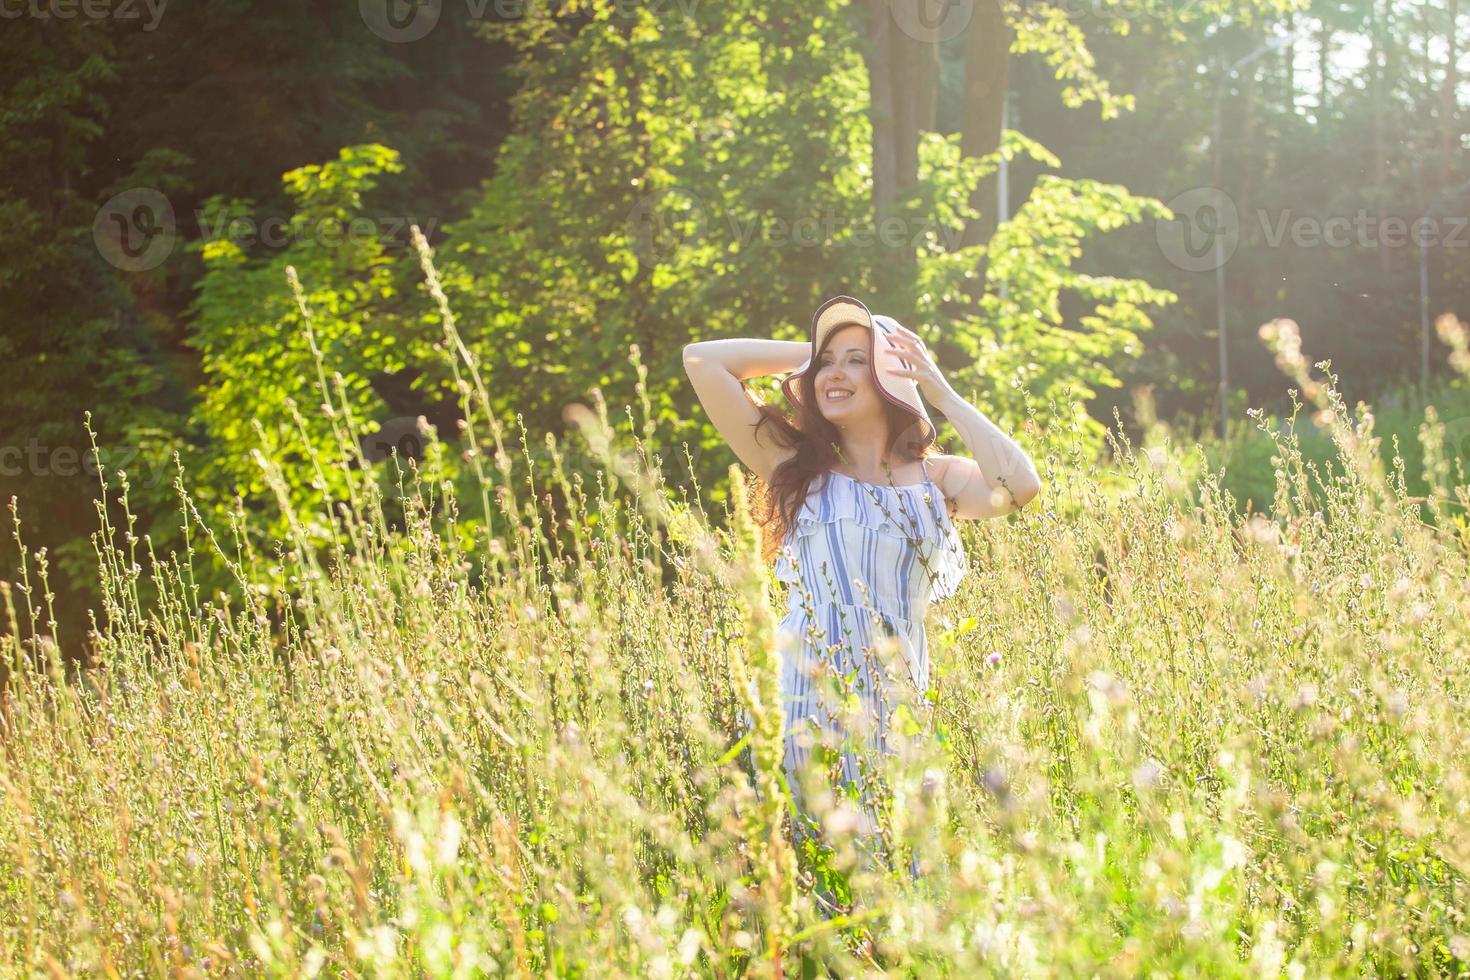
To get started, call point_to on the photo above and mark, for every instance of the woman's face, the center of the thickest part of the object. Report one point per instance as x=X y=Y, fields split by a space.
x=846 y=395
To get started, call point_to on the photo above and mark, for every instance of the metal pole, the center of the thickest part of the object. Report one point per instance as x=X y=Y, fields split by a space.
x=1003 y=180
x=1276 y=43
x=1224 y=389
x=1430 y=210
x=1423 y=320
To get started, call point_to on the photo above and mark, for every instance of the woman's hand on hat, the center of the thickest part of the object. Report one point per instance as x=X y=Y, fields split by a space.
x=921 y=365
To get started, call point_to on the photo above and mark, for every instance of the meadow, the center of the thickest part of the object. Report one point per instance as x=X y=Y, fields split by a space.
x=1163 y=737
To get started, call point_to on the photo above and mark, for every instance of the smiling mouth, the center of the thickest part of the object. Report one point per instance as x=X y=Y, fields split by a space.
x=838 y=394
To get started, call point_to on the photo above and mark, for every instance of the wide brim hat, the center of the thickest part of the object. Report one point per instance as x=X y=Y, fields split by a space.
x=841 y=311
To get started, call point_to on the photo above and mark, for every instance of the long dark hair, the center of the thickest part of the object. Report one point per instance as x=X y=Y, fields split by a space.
x=816 y=440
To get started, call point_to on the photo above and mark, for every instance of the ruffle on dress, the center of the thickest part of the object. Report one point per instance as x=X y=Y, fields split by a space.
x=914 y=512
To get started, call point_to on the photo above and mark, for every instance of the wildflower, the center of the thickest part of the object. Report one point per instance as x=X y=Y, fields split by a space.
x=995 y=782
x=994 y=658
x=1306 y=696
x=843 y=819
x=1108 y=685
x=1146 y=775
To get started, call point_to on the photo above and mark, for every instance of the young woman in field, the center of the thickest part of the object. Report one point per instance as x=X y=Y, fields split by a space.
x=862 y=505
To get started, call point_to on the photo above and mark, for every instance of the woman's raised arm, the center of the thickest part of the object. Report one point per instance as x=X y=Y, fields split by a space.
x=716 y=368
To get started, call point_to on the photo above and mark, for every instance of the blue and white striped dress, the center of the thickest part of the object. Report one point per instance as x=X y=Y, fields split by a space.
x=863 y=560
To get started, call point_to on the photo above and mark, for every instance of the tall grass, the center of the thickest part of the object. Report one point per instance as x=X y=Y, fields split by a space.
x=1162 y=737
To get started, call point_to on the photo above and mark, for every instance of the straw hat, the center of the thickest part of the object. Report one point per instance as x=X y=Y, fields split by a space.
x=840 y=311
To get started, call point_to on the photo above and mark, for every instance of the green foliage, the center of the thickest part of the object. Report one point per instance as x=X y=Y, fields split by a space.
x=73 y=340
x=661 y=156
x=207 y=97
x=678 y=232
x=1250 y=460
x=1019 y=345
x=265 y=358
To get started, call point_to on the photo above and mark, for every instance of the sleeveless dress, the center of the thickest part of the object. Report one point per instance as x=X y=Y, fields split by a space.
x=863 y=562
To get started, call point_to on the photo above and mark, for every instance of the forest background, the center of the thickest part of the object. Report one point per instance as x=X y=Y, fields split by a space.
x=1052 y=194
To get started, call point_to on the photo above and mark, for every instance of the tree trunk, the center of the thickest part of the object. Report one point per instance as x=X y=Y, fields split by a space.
x=878 y=53
x=1449 y=134
x=1246 y=289
x=1289 y=65
x=1324 y=70
x=987 y=76
x=1377 y=62
x=903 y=89
x=1245 y=149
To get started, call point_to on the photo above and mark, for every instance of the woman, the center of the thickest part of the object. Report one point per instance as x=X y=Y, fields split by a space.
x=855 y=490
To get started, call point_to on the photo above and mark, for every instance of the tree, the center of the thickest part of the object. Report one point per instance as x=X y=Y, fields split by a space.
x=901 y=47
